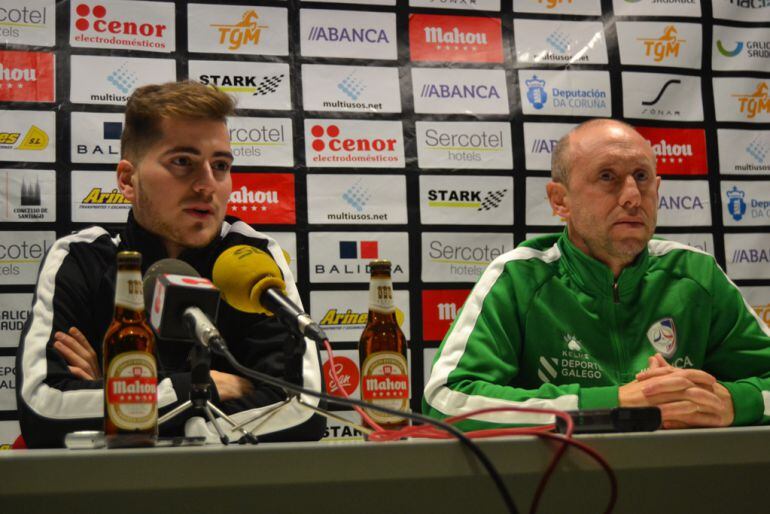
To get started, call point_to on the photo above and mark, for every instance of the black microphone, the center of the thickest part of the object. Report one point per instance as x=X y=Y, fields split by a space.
x=181 y=303
x=250 y=281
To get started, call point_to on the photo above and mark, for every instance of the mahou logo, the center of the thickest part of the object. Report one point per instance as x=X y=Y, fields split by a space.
x=439 y=310
x=758 y=102
x=27 y=77
x=354 y=143
x=144 y=26
x=347 y=373
x=455 y=38
x=263 y=198
x=678 y=151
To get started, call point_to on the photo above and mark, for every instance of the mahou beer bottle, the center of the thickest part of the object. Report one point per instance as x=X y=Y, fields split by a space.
x=382 y=352
x=130 y=370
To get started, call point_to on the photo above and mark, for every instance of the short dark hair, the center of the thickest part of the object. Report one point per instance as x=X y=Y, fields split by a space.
x=151 y=104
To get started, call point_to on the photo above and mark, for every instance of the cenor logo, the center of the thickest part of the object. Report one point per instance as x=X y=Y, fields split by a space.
x=328 y=139
x=95 y=19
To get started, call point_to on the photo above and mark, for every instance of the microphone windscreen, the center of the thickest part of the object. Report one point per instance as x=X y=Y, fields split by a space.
x=242 y=273
x=163 y=267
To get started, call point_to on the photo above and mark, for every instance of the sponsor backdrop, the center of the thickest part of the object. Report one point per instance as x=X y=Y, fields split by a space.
x=415 y=130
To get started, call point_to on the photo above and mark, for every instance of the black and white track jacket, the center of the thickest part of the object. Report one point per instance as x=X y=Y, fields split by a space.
x=76 y=287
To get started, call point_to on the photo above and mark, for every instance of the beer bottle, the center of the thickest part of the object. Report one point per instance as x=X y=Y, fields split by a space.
x=130 y=369
x=382 y=352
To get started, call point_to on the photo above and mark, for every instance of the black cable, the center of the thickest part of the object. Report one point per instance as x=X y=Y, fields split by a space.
x=219 y=346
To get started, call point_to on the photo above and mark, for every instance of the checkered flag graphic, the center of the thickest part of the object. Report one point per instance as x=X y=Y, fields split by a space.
x=269 y=85
x=492 y=200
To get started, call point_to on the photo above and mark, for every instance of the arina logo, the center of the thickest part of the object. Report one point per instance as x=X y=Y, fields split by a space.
x=729 y=53
x=245 y=31
x=667 y=45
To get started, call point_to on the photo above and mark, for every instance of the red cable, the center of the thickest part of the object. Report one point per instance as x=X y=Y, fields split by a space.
x=542 y=431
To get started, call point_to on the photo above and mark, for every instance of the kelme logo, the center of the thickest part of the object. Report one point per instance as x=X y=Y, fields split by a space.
x=662 y=336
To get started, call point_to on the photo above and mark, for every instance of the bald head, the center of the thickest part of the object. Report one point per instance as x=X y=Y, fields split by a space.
x=563 y=158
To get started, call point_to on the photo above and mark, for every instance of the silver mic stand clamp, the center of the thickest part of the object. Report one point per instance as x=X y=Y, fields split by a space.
x=200 y=396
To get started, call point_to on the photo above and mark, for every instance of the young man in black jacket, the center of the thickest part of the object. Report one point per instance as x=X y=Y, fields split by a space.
x=175 y=171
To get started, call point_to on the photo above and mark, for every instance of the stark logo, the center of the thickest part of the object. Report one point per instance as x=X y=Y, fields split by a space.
x=662 y=336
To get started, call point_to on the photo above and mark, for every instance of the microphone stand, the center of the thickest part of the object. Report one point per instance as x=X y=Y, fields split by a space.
x=200 y=395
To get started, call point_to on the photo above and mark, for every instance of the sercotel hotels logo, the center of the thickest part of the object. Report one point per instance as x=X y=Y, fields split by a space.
x=665 y=46
x=455 y=38
x=465 y=146
x=13 y=19
x=752 y=104
x=26 y=77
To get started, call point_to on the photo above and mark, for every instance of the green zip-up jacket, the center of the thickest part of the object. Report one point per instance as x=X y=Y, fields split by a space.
x=548 y=326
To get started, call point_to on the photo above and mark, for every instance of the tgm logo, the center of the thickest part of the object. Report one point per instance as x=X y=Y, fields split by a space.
x=254 y=85
x=542 y=41
x=746 y=203
x=29 y=23
x=237 y=29
x=744 y=151
x=96 y=137
x=754 y=103
x=439 y=309
x=662 y=97
x=27 y=76
x=463 y=200
x=144 y=26
x=464 y=145
x=350 y=88
x=665 y=46
x=263 y=198
x=348 y=34
x=570 y=93
x=27 y=195
x=660 y=44
x=111 y=80
x=354 y=143
x=459 y=91
x=662 y=337
x=356 y=199
x=455 y=38
x=748 y=256
x=684 y=203
x=678 y=151
x=345 y=256
x=27 y=136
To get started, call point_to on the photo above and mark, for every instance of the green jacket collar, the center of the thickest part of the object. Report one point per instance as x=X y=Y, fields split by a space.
x=595 y=277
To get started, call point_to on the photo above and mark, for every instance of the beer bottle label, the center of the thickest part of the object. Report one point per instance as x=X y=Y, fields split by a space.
x=385 y=381
x=381 y=295
x=128 y=290
x=132 y=391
